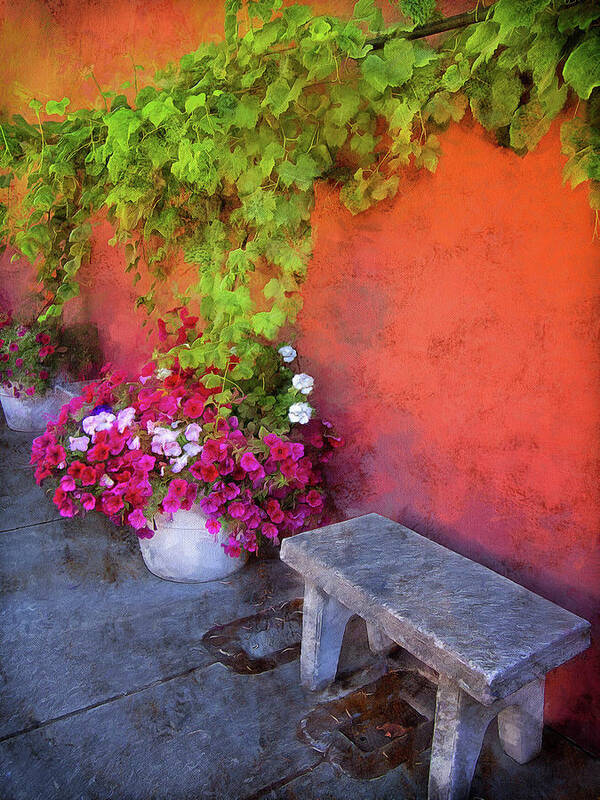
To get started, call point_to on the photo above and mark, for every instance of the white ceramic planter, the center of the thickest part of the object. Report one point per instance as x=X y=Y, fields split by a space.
x=31 y=413
x=183 y=550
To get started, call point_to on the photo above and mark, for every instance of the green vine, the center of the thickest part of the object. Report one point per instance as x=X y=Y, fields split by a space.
x=219 y=159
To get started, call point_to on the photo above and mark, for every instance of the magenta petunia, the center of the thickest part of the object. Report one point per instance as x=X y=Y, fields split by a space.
x=137 y=519
x=269 y=530
x=248 y=462
x=213 y=526
x=88 y=501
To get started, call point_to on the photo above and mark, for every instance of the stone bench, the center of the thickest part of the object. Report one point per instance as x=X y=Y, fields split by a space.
x=490 y=640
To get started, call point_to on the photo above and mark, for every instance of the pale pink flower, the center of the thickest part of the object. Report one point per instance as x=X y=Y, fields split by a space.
x=80 y=443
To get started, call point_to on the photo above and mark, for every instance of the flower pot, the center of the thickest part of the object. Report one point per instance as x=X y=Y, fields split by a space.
x=26 y=413
x=183 y=550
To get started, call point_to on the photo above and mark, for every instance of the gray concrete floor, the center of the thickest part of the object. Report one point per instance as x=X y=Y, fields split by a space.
x=108 y=692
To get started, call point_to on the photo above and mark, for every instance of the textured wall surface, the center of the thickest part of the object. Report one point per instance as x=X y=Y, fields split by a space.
x=453 y=332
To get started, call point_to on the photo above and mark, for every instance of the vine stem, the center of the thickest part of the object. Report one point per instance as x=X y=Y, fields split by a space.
x=100 y=90
x=5 y=141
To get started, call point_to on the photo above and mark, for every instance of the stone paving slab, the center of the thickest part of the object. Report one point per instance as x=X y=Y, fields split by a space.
x=22 y=501
x=561 y=772
x=487 y=633
x=212 y=734
x=82 y=619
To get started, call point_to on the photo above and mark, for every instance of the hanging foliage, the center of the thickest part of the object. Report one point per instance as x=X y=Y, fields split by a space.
x=221 y=156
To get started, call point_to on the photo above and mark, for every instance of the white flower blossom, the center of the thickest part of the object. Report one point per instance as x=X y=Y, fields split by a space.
x=192 y=449
x=300 y=412
x=80 y=443
x=192 y=432
x=134 y=443
x=163 y=373
x=288 y=353
x=98 y=422
x=303 y=383
x=172 y=448
x=164 y=440
x=177 y=464
x=125 y=418
x=106 y=481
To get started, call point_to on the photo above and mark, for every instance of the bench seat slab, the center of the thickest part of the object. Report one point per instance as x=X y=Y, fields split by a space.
x=490 y=635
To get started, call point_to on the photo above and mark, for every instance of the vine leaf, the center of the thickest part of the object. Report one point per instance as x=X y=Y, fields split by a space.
x=53 y=107
x=579 y=16
x=582 y=68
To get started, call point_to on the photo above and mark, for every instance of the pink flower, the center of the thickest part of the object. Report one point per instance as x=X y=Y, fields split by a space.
x=145 y=533
x=269 y=530
x=274 y=511
x=296 y=451
x=178 y=488
x=211 y=503
x=248 y=462
x=170 y=504
x=145 y=463
x=88 y=476
x=193 y=407
x=280 y=451
x=213 y=451
x=232 y=548
x=137 y=519
x=213 y=526
x=230 y=491
x=88 y=501
x=19 y=362
x=314 y=499
x=68 y=508
x=55 y=455
x=13 y=347
x=237 y=510
x=190 y=496
x=67 y=483
x=30 y=390
x=168 y=405
x=111 y=503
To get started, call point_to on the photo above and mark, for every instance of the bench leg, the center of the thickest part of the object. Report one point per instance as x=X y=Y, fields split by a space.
x=378 y=641
x=324 y=621
x=460 y=725
x=520 y=725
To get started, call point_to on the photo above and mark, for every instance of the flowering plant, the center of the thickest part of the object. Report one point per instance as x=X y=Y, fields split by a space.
x=157 y=445
x=32 y=355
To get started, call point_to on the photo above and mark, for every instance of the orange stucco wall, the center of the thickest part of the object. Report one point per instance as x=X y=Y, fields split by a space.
x=453 y=332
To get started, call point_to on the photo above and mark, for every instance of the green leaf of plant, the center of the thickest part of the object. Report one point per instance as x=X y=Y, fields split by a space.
x=195 y=101
x=528 y=126
x=578 y=16
x=302 y=173
x=277 y=97
x=54 y=107
x=582 y=68
x=375 y=72
x=246 y=112
x=511 y=14
x=399 y=59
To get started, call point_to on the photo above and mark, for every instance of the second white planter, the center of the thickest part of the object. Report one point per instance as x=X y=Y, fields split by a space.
x=31 y=413
x=183 y=550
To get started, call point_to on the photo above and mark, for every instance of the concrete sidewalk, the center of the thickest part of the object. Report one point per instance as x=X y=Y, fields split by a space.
x=107 y=690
